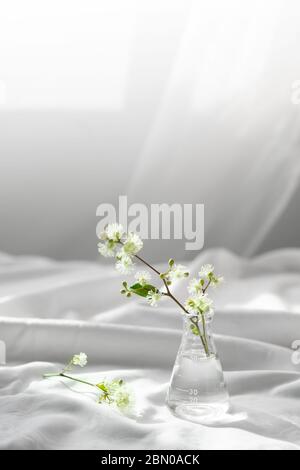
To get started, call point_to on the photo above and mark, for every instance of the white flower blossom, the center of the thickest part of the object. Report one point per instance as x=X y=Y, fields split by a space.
x=195 y=286
x=114 y=232
x=124 y=264
x=103 y=235
x=124 y=400
x=107 y=249
x=216 y=280
x=79 y=359
x=200 y=303
x=177 y=272
x=205 y=270
x=143 y=277
x=153 y=297
x=119 y=395
x=132 y=245
x=206 y=276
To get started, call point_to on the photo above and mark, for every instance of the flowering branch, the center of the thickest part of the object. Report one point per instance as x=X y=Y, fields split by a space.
x=169 y=294
x=113 y=392
x=114 y=242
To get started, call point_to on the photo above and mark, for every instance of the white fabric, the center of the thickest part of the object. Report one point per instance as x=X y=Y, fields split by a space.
x=49 y=311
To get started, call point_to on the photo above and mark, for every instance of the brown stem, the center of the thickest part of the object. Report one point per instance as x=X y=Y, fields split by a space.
x=147 y=264
x=207 y=286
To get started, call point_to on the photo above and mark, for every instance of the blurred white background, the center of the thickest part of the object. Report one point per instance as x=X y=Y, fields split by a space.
x=163 y=101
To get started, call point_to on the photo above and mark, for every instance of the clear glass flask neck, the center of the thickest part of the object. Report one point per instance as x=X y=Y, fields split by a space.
x=198 y=338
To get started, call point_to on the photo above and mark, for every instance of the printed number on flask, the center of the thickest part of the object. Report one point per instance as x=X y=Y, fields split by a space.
x=193 y=392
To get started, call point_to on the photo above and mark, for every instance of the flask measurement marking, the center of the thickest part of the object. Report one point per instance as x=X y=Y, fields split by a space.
x=181 y=389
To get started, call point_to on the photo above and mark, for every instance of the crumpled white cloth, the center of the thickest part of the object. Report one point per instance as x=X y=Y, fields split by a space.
x=51 y=310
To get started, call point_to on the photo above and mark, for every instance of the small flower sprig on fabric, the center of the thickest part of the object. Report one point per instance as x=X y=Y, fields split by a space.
x=124 y=247
x=111 y=392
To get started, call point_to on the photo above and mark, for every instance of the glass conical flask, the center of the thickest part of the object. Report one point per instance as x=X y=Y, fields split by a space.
x=197 y=390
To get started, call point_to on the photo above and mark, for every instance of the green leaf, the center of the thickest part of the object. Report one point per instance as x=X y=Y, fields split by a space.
x=102 y=387
x=143 y=291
